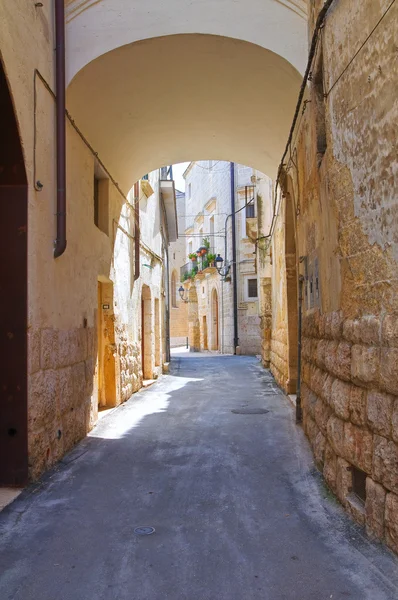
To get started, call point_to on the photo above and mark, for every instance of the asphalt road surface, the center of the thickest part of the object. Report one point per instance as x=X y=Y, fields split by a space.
x=239 y=511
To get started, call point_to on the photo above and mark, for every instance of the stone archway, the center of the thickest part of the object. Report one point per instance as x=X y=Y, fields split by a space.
x=13 y=288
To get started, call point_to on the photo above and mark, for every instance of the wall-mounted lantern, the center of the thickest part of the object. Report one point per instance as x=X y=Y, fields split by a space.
x=181 y=291
x=222 y=270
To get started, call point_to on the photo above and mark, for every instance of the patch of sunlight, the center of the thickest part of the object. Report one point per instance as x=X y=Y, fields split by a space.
x=142 y=404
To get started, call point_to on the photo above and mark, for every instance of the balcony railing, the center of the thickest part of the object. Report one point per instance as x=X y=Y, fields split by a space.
x=188 y=270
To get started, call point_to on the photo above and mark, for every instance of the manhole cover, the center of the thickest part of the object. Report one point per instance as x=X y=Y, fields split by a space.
x=144 y=530
x=249 y=411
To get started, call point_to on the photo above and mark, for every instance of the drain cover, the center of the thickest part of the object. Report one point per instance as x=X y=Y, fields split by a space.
x=249 y=411
x=144 y=530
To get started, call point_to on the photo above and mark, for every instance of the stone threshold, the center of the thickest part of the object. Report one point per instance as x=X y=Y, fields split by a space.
x=8 y=495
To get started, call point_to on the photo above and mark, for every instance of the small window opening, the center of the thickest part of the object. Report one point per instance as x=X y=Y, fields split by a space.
x=252 y=288
x=101 y=199
x=250 y=211
x=359 y=483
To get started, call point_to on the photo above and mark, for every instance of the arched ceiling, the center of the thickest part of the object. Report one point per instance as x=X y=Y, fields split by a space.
x=95 y=27
x=185 y=97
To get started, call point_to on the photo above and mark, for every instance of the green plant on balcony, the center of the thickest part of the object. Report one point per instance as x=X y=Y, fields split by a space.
x=192 y=256
x=206 y=243
x=210 y=259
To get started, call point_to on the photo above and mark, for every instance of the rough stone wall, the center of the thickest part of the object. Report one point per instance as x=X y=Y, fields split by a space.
x=279 y=363
x=344 y=199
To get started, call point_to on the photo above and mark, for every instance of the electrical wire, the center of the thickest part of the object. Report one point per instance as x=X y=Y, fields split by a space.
x=360 y=48
x=314 y=43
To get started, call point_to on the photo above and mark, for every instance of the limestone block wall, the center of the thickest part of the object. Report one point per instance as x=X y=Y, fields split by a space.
x=345 y=218
x=61 y=389
x=350 y=401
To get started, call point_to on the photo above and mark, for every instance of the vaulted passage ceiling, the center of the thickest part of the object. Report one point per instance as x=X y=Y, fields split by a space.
x=185 y=97
x=95 y=27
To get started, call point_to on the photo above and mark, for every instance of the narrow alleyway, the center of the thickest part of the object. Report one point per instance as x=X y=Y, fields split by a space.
x=237 y=505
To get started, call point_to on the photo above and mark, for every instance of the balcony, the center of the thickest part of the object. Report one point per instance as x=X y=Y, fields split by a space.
x=168 y=194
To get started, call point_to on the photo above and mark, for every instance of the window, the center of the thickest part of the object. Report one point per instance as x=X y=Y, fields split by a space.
x=359 y=483
x=250 y=214
x=252 y=288
x=101 y=199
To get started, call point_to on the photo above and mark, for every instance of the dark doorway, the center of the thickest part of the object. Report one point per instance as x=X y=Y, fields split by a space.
x=13 y=297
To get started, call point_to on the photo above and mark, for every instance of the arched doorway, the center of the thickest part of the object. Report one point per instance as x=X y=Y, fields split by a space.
x=106 y=356
x=214 y=321
x=13 y=293
x=291 y=292
x=147 y=350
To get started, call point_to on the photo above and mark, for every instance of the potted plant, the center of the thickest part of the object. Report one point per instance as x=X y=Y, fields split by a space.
x=192 y=256
x=210 y=259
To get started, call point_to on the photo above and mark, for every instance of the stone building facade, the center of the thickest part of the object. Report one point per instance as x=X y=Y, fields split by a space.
x=335 y=237
x=210 y=299
x=82 y=311
x=177 y=254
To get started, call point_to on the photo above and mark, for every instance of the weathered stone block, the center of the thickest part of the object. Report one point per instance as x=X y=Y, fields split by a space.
x=335 y=434
x=65 y=389
x=89 y=366
x=365 y=364
x=72 y=346
x=395 y=421
x=311 y=429
x=330 y=467
x=336 y=324
x=49 y=349
x=358 y=447
x=369 y=330
x=330 y=355
x=34 y=336
x=340 y=399
x=385 y=463
x=374 y=508
x=79 y=383
x=358 y=405
x=389 y=370
x=320 y=354
x=322 y=414
x=342 y=368
x=318 y=378
x=379 y=409
x=327 y=389
x=391 y=521
x=390 y=331
x=343 y=479
x=43 y=405
x=319 y=448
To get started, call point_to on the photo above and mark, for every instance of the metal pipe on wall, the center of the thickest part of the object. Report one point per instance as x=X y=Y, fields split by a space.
x=299 y=412
x=60 y=93
x=137 y=236
x=235 y=270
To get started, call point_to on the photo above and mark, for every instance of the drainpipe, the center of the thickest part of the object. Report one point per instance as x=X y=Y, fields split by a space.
x=137 y=236
x=60 y=241
x=235 y=282
x=299 y=412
